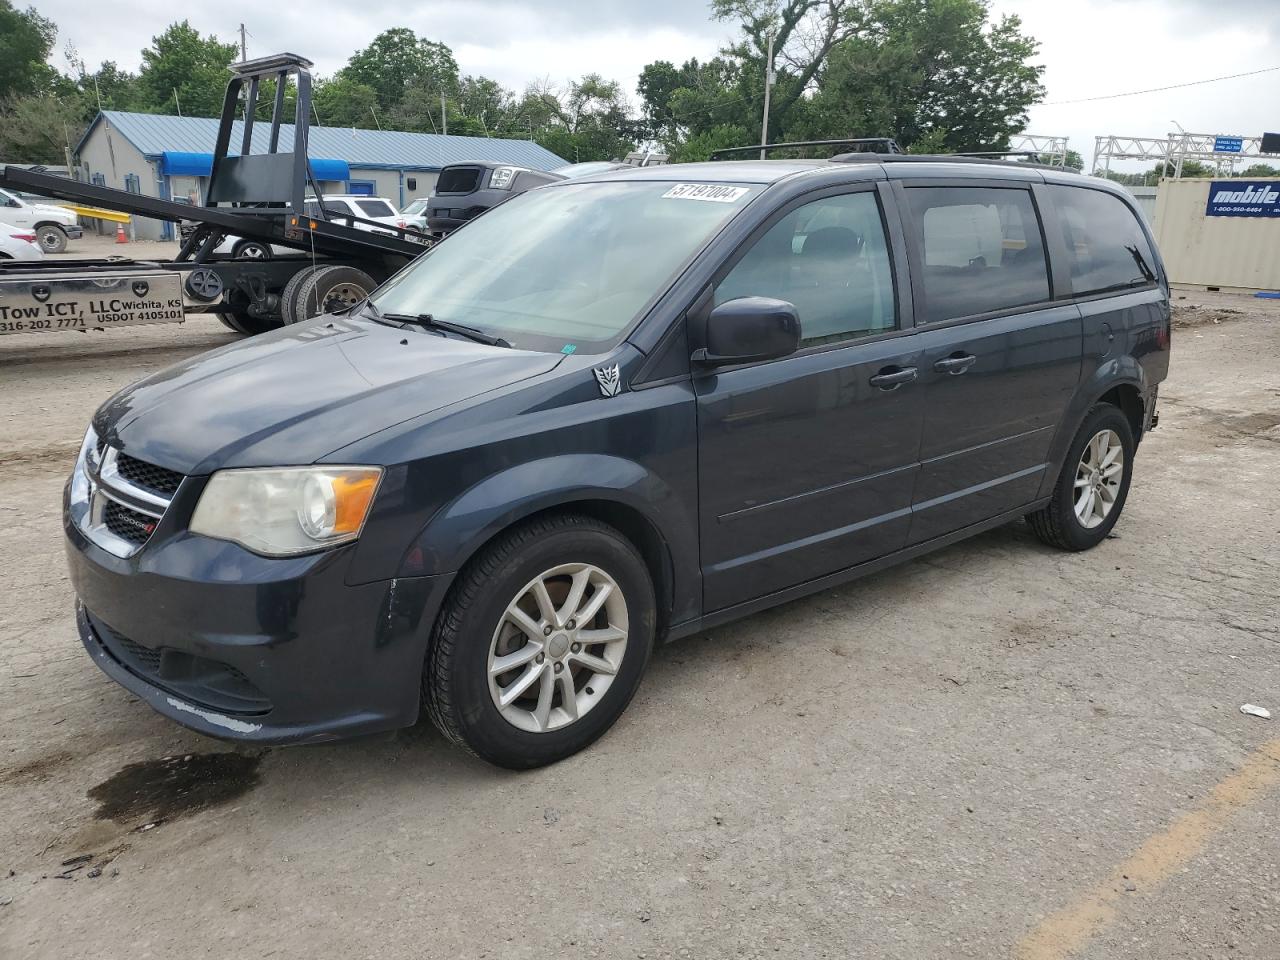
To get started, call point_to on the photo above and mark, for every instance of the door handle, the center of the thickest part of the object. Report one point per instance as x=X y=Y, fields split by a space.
x=955 y=365
x=891 y=378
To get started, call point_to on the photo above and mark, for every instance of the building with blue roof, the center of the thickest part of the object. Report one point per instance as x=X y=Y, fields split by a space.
x=170 y=157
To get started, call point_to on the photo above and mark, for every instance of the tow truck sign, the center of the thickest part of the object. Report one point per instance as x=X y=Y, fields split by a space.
x=43 y=304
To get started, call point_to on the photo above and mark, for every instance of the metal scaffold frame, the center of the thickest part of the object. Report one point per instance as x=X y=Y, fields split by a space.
x=1051 y=150
x=1176 y=149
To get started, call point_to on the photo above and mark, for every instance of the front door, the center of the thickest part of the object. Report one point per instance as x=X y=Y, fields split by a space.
x=806 y=464
x=1000 y=361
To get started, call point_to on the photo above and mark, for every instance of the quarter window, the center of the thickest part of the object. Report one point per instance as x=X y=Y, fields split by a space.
x=979 y=249
x=830 y=259
x=1106 y=246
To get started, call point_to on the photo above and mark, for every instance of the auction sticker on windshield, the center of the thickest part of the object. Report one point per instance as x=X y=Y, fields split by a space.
x=93 y=302
x=712 y=192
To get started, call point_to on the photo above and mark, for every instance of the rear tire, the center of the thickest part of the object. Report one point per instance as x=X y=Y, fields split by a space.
x=324 y=289
x=1090 y=492
x=235 y=316
x=51 y=239
x=590 y=669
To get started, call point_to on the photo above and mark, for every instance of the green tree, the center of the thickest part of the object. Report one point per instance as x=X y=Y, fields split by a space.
x=193 y=69
x=932 y=69
x=934 y=74
x=344 y=102
x=25 y=41
x=1258 y=170
x=398 y=60
x=40 y=128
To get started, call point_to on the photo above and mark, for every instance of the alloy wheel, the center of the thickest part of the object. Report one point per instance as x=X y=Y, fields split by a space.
x=557 y=648
x=1098 y=477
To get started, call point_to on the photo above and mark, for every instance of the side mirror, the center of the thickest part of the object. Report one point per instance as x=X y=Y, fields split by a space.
x=748 y=330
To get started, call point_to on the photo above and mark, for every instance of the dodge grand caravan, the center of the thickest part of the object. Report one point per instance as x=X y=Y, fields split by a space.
x=614 y=410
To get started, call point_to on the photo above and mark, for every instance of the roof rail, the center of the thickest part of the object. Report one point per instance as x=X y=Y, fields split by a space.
x=885 y=145
x=985 y=157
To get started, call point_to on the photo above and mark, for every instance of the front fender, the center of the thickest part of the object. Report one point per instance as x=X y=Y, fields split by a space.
x=465 y=524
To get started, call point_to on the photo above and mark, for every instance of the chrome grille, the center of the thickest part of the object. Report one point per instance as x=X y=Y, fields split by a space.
x=118 y=500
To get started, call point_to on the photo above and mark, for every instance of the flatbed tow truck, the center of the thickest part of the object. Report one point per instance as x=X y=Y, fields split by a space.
x=268 y=196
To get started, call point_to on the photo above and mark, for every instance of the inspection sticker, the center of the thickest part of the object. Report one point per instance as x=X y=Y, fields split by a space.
x=713 y=192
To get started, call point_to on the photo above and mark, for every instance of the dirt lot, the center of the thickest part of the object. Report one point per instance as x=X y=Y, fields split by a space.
x=996 y=751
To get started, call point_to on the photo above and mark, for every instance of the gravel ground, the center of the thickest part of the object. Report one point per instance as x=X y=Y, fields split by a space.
x=995 y=751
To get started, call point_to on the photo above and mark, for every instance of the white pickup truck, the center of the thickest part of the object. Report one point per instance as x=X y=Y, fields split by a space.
x=53 y=225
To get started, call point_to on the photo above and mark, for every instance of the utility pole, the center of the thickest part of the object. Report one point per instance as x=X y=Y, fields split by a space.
x=176 y=101
x=768 y=86
x=444 y=115
x=244 y=46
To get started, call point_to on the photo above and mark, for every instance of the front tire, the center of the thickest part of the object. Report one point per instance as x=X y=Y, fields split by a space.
x=542 y=642
x=1091 y=490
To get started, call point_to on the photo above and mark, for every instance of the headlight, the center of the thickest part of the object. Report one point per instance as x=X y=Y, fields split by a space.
x=501 y=178
x=287 y=510
x=80 y=474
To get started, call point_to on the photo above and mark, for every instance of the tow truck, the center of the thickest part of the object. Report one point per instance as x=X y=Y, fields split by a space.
x=336 y=259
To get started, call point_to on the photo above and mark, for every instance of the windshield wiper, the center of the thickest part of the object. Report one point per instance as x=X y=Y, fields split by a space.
x=429 y=322
x=1148 y=274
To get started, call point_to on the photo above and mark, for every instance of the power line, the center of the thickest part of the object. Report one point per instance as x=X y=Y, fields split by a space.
x=1174 y=86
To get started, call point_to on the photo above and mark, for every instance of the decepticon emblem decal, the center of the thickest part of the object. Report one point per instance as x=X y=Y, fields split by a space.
x=609 y=379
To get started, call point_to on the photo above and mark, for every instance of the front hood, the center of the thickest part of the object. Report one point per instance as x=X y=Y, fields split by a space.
x=56 y=212
x=294 y=395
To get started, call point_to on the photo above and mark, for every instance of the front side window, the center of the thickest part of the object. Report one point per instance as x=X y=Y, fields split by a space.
x=979 y=249
x=1106 y=246
x=566 y=268
x=830 y=259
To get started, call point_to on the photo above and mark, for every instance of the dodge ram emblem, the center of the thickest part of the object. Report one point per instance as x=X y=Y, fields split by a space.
x=609 y=379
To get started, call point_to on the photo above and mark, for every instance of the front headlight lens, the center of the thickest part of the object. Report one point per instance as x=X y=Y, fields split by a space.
x=80 y=473
x=287 y=510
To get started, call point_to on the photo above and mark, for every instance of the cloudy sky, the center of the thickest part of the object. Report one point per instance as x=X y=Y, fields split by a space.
x=1091 y=48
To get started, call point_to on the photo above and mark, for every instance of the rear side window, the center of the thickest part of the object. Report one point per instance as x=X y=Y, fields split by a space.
x=458 y=179
x=375 y=208
x=829 y=259
x=1106 y=246
x=980 y=250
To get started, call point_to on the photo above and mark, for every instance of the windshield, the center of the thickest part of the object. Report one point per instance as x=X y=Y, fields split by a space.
x=565 y=268
x=416 y=206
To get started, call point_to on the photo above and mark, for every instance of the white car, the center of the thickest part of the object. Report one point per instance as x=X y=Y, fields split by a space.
x=415 y=214
x=19 y=243
x=336 y=206
x=53 y=225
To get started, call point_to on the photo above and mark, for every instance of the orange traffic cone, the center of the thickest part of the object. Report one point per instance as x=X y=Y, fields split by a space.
x=120 y=237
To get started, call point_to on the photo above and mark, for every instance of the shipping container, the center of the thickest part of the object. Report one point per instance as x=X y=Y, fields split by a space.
x=1220 y=233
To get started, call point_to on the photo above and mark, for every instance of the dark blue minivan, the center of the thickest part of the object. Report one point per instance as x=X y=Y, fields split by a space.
x=612 y=411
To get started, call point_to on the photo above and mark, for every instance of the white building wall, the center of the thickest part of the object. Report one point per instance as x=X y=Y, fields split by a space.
x=107 y=153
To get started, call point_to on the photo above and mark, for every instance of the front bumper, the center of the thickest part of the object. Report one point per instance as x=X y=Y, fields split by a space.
x=247 y=648
x=73 y=231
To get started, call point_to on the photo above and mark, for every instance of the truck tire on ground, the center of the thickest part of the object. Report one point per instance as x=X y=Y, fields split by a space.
x=52 y=239
x=324 y=290
x=235 y=316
